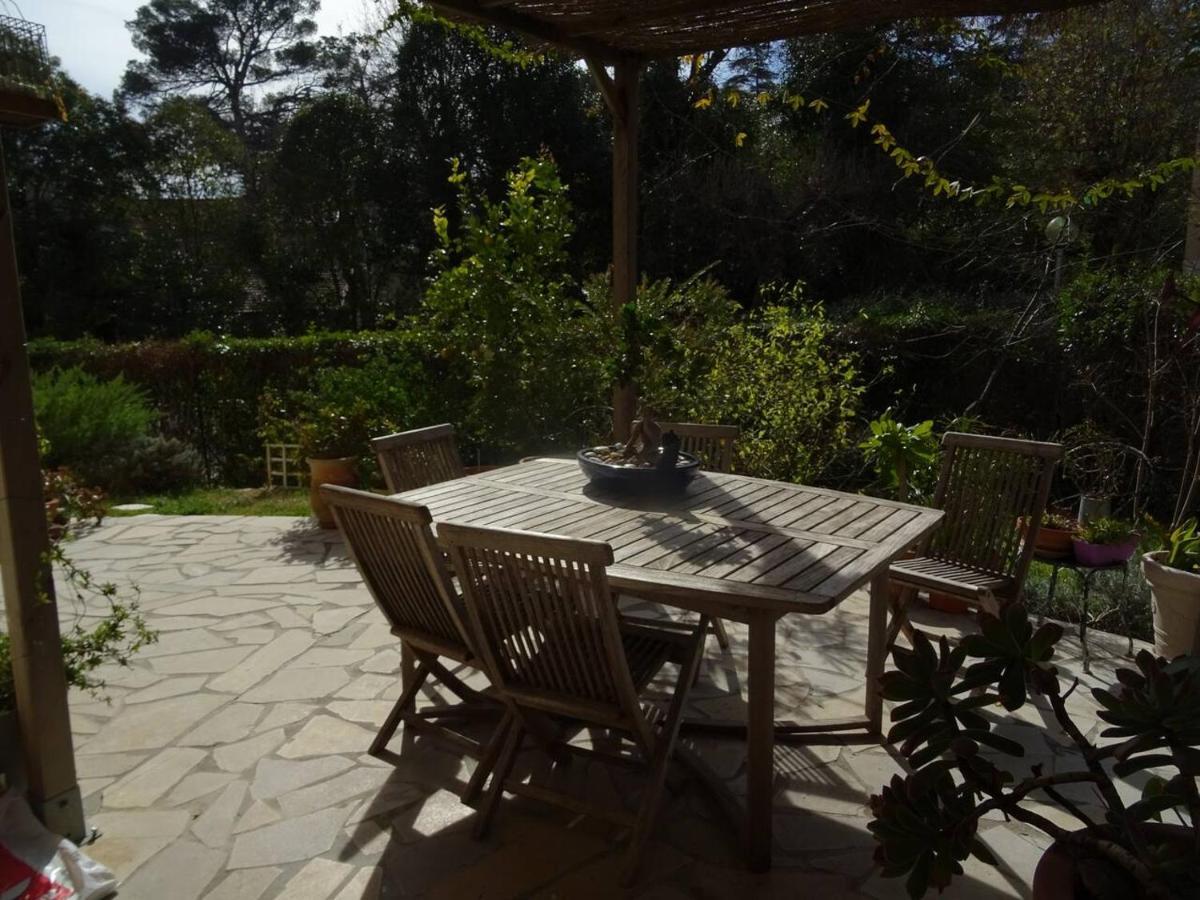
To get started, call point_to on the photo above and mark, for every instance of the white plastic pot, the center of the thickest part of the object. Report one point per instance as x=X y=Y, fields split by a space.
x=1175 y=595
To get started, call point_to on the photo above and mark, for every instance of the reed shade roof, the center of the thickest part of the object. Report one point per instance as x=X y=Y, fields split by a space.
x=609 y=29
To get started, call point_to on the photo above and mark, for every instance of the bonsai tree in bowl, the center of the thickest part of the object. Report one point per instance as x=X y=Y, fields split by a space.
x=926 y=824
x=1173 y=573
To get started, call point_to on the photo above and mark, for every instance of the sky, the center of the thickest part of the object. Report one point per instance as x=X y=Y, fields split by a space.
x=91 y=40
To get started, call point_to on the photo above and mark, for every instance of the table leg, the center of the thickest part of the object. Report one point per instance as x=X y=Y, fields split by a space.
x=876 y=650
x=760 y=738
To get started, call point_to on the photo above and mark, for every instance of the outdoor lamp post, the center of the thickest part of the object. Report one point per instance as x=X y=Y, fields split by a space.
x=1060 y=231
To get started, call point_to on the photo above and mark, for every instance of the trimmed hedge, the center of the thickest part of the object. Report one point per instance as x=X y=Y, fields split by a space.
x=207 y=388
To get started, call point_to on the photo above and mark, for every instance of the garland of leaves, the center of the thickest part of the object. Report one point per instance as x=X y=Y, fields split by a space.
x=939 y=184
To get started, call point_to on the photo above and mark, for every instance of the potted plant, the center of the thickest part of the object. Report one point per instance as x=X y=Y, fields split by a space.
x=332 y=440
x=1173 y=574
x=1105 y=542
x=926 y=824
x=1054 y=535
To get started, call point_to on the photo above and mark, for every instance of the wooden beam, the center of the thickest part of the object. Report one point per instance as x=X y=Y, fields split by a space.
x=530 y=25
x=622 y=96
x=39 y=680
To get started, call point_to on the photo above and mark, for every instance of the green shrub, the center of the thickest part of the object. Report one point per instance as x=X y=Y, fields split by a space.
x=344 y=408
x=778 y=376
x=91 y=424
x=524 y=350
x=160 y=463
x=903 y=455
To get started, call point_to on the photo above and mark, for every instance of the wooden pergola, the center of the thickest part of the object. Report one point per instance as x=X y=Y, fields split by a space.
x=623 y=35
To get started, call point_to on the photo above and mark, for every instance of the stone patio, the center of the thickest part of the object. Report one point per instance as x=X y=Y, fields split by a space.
x=229 y=760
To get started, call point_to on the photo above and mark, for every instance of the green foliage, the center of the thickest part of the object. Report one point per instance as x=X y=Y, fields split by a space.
x=1107 y=530
x=926 y=823
x=509 y=322
x=274 y=501
x=1183 y=547
x=343 y=408
x=1059 y=521
x=777 y=374
x=91 y=424
x=159 y=463
x=903 y=456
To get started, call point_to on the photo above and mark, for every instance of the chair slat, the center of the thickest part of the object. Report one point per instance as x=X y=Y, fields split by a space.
x=414 y=459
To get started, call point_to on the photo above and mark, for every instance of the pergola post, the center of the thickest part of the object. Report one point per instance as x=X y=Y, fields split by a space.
x=620 y=92
x=39 y=679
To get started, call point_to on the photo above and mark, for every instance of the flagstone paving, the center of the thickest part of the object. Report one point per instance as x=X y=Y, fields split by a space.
x=229 y=760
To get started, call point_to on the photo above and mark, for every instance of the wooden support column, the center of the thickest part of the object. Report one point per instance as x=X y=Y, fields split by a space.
x=38 y=677
x=620 y=92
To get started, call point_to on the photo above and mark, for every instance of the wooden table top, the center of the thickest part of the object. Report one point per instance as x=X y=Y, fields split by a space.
x=728 y=540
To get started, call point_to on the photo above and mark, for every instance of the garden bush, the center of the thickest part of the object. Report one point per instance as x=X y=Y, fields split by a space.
x=90 y=424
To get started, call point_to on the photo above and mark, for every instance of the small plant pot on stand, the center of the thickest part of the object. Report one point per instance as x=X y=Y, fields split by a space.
x=341 y=471
x=1175 y=598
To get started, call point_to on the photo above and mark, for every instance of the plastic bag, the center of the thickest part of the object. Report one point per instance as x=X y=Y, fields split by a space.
x=36 y=864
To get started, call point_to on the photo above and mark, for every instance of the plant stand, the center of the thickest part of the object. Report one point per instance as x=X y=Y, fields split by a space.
x=1086 y=574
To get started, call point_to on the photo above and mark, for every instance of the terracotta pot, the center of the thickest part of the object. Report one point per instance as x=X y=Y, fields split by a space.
x=342 y=471
x=1050 y=543
x=1055 y=876
x=1175 y=598
x=948 y=603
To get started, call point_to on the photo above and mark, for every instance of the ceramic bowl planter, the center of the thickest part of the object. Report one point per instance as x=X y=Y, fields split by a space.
x=1097 y=555
x=1051 y=543
x=1057 y=874
x=341 y=471
x=1175 y=597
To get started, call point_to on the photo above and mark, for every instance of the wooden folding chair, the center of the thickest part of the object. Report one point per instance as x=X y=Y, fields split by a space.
x=545 y=621
x=391 y=543
x=414 y=459
x=994 y=491
x=714 y=445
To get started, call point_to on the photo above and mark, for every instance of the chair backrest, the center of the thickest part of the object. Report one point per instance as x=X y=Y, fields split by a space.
x=544 y=619
x=413 y=459
x=391 y=543
x=987 y=486
x=712 y=443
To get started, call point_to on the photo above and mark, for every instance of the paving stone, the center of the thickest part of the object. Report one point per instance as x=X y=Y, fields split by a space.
x=90 y=786
x=365 y=885
x=372 y=712
x=216 y=606
x=374 y=636
x=439 y=812
x=298 y=684
x=324 y=735
x=282 y=714
x=392 y=796
x=244 y=754
x=215 y=825
x=171 y=687
x=368 y=687
x=263 y=662
x=172 y=643
x=244 y=884
x=166 y=624
x=182 y=871
x=197 y=785
x=288 y=841
x=384 y=662
x=206 y=661
x=273 y=575
x=320 y=657
x=233 y=723
x=258 y=815
x=153 y=778
x=238 y=623
x=330 y=621
x=273 y=777
x=148 y=726
x=95 y=765
x=318 y=880
x=255 y=636
x=286 y=617
x=334 y=792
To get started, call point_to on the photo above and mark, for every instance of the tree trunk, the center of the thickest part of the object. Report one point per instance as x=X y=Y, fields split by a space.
x=1191 y=246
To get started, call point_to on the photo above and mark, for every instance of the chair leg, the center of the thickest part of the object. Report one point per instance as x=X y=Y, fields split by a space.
x=406 y=701
x=664 y=750
x=488 y=761
x=718 y=628
x=491 y=800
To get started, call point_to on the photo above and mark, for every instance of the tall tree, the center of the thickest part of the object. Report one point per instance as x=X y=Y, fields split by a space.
x=229 y=52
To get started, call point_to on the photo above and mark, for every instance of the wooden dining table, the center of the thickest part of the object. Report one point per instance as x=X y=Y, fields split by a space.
x=740 y=548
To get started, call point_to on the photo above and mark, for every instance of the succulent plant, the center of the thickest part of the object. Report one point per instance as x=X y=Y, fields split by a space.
x=926 y=824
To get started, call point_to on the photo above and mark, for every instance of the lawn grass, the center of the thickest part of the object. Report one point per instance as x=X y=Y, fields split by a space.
x=222 y=501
